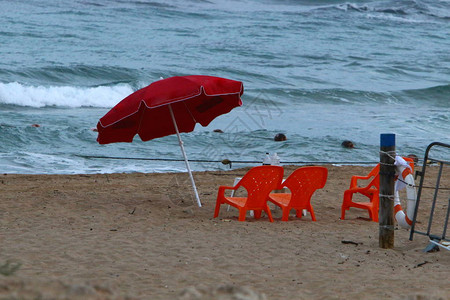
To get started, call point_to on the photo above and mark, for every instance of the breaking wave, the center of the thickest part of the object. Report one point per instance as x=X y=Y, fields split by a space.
x=64 y=96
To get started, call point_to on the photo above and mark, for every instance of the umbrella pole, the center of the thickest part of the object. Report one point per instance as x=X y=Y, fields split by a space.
x=185 y=157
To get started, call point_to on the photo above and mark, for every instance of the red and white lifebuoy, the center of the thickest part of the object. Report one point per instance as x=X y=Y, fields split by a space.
x=406 y=181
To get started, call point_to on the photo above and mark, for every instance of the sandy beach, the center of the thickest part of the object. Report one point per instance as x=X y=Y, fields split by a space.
x=141 y=236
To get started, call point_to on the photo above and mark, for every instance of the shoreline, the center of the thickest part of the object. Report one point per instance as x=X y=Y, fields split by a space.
x=113 y=236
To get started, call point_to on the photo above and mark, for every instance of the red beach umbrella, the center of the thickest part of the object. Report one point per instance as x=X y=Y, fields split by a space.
x=170 y=106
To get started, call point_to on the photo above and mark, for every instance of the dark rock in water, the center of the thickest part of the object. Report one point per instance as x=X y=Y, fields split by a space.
x=218 y=130
x=279 y=137
x=347 y=144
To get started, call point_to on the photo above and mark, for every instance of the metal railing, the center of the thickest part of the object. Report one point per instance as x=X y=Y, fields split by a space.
x=434 y=237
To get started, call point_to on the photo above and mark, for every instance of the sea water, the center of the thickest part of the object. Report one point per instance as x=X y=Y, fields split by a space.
x=319 y=71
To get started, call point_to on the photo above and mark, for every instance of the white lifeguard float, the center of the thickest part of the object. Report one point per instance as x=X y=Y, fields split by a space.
x=404 y=173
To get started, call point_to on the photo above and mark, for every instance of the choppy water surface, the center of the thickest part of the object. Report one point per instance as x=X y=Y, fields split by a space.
x=318 y=71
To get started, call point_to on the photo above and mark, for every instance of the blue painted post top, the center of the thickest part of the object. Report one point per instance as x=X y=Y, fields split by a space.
x=387 y=140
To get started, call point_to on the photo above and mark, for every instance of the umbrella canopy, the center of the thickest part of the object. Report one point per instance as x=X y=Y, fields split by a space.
x=170 y=106
x=193 y=99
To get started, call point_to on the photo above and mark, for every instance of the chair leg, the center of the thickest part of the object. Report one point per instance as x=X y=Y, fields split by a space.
x=343 y=209
x=376 y=207
x=299 y=213
x=242 y=213
x=216 y=211
x=269 y=214
x=257 y=214
x=311 y=211
x=285 y=216
x=373 y=213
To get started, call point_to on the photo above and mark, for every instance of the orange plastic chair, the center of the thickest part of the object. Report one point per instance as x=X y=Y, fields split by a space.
x=259 y=182
x=371 y=190
x=302 y=183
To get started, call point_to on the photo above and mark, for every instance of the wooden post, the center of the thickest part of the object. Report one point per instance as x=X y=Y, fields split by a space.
x=387 y=177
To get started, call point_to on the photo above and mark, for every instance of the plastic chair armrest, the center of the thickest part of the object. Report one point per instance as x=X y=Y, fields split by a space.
x=355 y=178
x=222 y=189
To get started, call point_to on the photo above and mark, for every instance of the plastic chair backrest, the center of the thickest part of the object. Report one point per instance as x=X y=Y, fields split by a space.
x=259 y=182
x=304 y=181
x=374 y=182
x=376 y=170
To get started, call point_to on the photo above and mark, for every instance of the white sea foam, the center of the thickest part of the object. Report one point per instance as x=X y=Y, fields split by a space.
x=64 y=96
